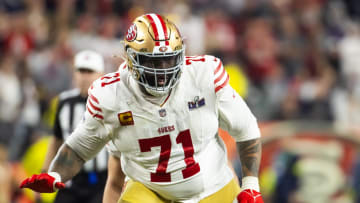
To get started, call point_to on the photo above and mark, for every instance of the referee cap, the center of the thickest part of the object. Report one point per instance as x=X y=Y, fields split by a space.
x=90 y=60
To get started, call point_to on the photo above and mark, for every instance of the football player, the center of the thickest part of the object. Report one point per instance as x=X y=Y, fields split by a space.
x=159 y=116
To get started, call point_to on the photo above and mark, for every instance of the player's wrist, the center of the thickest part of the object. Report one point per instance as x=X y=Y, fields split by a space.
x=250 y=182
x=57 y=178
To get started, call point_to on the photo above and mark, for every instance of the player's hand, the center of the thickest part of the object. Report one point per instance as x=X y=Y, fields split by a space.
x=249 y=196
x=43 y=183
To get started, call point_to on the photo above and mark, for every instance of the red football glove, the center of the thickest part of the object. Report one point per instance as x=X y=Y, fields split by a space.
x=249 y=196
x=43 y=183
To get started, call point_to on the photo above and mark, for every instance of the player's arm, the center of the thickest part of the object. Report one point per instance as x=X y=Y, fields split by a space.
x=250 y=156
x=89 y=137
x=54 y=145
x=236 y=118
x=114 y=182
x=82 y=145
x=67 y=163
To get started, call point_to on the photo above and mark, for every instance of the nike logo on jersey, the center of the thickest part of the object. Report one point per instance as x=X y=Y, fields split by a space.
x=126 y=118
x=166 y=129
x=196 y=103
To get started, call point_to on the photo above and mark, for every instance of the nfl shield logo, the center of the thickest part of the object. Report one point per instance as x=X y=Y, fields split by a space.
x=162 y=112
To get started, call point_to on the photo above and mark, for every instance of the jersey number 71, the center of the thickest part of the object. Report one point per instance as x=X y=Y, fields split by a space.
x=164 y=142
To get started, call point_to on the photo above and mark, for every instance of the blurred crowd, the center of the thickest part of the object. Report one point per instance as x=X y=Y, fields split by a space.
x=300 y=58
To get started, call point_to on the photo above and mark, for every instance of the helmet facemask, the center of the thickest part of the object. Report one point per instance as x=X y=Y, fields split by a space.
x=158 y=73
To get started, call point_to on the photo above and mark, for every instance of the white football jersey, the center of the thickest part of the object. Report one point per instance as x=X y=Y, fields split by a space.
x=171 y=146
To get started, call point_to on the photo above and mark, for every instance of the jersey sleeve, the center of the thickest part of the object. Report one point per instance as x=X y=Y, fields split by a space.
x=113 y=150
x=221 y=78
x=91 y=135
x=234 y=115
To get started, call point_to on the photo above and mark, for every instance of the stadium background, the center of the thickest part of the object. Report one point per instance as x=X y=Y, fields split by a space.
x=296 y=62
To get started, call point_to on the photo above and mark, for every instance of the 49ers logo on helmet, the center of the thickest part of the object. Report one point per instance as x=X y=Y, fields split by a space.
x=131 y=33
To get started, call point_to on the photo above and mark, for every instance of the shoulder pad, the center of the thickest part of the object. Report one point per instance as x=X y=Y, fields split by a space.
x=102 y=94
x=211 y=66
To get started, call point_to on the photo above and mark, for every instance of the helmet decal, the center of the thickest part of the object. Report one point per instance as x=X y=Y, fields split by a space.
x=131 y=33
x=159 y=28
x=163 y=49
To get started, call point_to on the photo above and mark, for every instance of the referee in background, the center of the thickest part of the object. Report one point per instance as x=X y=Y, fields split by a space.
x=88 y=185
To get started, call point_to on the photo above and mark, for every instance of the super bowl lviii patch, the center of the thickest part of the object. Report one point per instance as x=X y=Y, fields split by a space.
x=126 y=118
x=196 y=103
